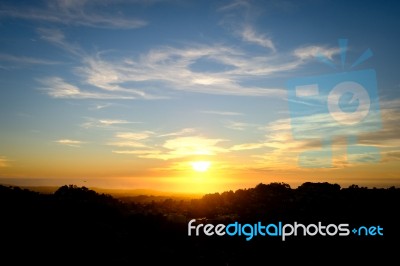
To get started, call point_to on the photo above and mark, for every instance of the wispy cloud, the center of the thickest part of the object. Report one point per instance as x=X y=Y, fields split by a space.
x=247 y=146
x=238 y=16
x=105 y=123
x=134 y=135
x=224 y=113
x=234 y=5
x=57 y=88
x=141 y=153
x=155 y=74
x=26 y=60
x=165 y=146
x=182 y=146
x=286 y=149
x=182 y=132
x=235 y=125
x=146 y=145
x=69 y=142
x=109 y=122
x=4 y=162
x=75 y=13
x=313 y=51
x=250 y=35
x=139 y=139
x=57 y=38
x=127 y=144
x=100 y=106
x=171 y=69
x=97 y=73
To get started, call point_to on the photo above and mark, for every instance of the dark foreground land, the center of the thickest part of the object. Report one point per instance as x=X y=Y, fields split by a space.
x=78 y=226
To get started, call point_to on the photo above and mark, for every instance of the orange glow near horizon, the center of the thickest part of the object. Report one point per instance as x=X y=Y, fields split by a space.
x=187 y=165
x=188 y=174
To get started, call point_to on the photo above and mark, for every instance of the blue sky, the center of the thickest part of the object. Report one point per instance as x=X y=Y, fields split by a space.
x=126 y=93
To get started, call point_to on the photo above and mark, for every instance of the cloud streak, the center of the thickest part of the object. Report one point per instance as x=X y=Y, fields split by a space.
x=69 y=142
x=56 y=87
x=247 y=146
x=26 y=60
x=57 y=38
x=223 y=113
x=235 y=125
x=134 y=135
x=156 y=73
x=4 y=162
x=309 y=52
x=286 y=149
x=74 y=13
x=249 y=35
x=182 y=132
x=105 y=123
x=171 y=69
x=147 y=144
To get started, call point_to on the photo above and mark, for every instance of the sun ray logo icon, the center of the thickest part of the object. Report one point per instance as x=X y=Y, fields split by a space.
x=343 y=52
x=339 y=104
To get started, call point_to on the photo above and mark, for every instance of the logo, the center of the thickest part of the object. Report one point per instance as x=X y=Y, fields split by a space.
x=344 y=104
x=280 y=230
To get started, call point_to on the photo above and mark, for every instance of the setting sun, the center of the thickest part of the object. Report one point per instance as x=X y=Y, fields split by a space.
x=200 y=166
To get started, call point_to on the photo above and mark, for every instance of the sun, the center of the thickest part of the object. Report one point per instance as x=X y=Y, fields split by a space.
x=200 y=166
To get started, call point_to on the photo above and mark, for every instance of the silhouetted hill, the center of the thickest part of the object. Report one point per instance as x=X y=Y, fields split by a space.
x=127 y=194
x=77 y=224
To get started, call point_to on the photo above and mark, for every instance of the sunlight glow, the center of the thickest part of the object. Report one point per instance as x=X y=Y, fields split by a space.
x=200 y=166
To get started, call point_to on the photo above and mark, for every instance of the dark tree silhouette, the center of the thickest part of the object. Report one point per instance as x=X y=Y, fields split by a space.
x=79 y=225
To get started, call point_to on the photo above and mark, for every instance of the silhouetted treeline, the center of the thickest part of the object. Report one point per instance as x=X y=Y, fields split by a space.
x=309 y=201
x=76 y=224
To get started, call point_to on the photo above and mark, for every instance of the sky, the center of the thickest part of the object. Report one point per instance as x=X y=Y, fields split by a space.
x=199 y=96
